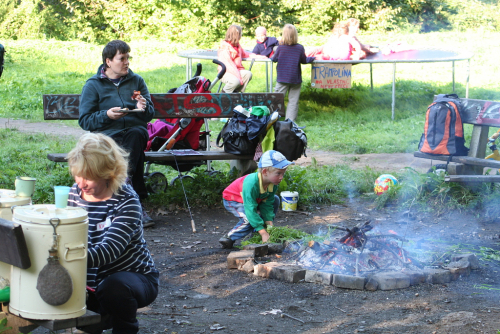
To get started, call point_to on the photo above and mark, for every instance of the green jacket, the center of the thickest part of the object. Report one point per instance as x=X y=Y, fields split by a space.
x=256 y=198
x=100 y=94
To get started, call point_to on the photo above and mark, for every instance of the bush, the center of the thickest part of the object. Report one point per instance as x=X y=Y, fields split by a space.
x=203 y=23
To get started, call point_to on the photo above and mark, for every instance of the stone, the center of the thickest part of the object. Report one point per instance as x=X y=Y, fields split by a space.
x=288 y=273
x=248 y=267
x=263 y=270
x=459 y=268
x=348 y=282
x=235 y=259
x=472 y=258
x=437 y=276
x=313 y=276
x=371 y=284
x=259 y=250
x=392 y=280
x=416 y=276
x=275 y=248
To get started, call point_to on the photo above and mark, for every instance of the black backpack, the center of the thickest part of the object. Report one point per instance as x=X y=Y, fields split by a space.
x=2 y=51
x=444 y=130
x=234 y=136
x=290 y=140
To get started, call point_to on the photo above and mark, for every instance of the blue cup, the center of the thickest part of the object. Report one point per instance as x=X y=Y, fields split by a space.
x=61 y=194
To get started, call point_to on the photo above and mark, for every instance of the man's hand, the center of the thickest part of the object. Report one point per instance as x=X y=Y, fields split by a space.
x=114 y=114
x=265 y=236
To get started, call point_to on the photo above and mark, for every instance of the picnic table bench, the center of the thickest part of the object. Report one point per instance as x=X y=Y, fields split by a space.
x=14 y=251
x=196 y=105
x=481 y=114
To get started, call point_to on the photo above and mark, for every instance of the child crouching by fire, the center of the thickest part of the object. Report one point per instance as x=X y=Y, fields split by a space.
x=252 y=198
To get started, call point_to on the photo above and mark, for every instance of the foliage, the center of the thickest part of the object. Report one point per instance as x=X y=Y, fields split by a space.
x=277 y=234
x=203 y=23
x=3 y=325
x=26 y=155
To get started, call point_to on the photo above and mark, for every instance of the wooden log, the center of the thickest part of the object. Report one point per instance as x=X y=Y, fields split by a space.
x=167 y=156
x=472 y=178
x=460 y=159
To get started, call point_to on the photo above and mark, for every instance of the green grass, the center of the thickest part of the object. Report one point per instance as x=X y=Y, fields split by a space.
x=355 y=120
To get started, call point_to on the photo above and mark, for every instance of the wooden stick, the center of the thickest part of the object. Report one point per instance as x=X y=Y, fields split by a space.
x=340 y=309
x=193 y=226
x=289 y=316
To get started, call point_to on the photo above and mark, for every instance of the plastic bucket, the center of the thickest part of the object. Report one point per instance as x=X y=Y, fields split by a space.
x=289 y=200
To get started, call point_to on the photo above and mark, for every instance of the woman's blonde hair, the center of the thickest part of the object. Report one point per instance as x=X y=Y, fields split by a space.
x=290 y=35
x=233 y=34
x=96 y=157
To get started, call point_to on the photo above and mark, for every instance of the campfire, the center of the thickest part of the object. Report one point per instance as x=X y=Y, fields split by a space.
x=355 y=251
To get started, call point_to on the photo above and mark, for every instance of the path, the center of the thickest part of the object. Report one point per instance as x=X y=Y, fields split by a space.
x=376 y=161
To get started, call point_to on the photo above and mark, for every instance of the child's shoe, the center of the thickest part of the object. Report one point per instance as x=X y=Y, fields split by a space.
x=226 y=242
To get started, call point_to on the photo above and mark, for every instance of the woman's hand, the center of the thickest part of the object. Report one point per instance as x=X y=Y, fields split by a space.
x=141 y=102
x=114 y=114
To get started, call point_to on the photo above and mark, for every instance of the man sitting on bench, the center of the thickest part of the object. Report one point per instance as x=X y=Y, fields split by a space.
x=116 y=102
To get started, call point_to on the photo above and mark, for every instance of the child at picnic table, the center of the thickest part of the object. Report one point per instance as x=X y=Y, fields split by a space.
x=252 y=198
x=265 y=45
x=289 y=55
x=231 y=54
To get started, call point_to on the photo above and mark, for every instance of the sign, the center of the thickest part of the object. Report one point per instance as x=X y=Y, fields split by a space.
x=329 y=75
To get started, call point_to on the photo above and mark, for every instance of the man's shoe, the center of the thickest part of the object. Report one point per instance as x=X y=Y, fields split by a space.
x=147 y=221
x=226 y=242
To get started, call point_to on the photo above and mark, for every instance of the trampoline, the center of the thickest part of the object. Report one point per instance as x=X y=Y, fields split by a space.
x=411 y=56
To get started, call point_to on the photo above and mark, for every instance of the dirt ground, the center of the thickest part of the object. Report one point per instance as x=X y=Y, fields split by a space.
x=198 y=294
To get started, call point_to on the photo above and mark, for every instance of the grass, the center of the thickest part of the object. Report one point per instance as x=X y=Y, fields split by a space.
x=355 y=120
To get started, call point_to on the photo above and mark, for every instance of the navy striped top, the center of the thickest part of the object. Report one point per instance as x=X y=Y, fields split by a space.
x=116 y=241
x=289 y=58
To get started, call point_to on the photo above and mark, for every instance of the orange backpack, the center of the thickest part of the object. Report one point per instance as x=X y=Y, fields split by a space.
x=444 y=130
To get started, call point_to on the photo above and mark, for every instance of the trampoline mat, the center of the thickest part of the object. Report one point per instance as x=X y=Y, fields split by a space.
x=422 y=55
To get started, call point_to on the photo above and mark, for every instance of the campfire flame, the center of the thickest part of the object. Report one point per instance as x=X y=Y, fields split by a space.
x=356 y=252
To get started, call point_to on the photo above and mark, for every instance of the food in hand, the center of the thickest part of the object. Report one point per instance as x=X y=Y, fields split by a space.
x=136 y=94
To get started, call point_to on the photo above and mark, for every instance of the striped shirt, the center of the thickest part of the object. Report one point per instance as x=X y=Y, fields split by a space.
x=116 y=241
x=289 y=58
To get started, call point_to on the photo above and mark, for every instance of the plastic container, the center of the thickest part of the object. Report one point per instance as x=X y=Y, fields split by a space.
x=5 y=295
x=289 y=200
x=8 y=199
x=25 y=300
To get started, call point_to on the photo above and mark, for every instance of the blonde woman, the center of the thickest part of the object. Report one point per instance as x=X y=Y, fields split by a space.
x=121 y=273
x=289 y=56
x=231 y=54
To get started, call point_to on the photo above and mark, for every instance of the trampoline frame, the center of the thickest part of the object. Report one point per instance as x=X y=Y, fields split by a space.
x=212 y=54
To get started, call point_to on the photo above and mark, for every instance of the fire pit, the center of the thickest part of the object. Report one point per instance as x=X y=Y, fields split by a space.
x=354 y=258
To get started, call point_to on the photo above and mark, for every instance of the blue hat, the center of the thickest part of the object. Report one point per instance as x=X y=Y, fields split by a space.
x=275 y=159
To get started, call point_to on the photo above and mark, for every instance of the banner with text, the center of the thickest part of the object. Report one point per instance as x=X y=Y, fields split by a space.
x=331 y=75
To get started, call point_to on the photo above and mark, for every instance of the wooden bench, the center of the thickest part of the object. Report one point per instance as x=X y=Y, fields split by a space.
x=14 y=251
x=482 y=115
x=199 y=105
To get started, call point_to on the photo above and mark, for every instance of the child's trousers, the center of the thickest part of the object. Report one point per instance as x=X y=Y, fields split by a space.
x=243 y=227
x=292 y=108
x=233 y=84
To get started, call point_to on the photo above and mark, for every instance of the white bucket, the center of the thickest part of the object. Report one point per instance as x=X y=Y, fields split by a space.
x=289 y=200
x=8 y=199
x=25 y=300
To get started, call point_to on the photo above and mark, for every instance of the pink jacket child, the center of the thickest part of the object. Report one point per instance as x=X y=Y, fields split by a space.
x=231 y=54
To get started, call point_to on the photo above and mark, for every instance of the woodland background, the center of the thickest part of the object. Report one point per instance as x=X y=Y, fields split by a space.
x=199 y=23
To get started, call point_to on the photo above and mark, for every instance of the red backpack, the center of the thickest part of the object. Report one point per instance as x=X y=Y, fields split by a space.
x=444 y=130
